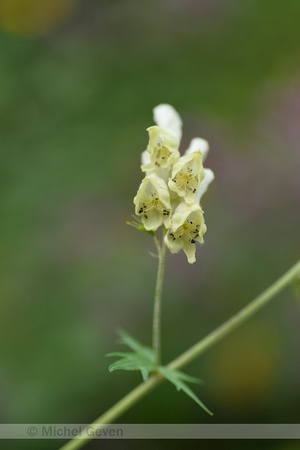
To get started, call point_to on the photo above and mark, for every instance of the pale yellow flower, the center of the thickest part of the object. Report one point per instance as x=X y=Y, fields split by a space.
x=162 y=149
x=164 y=139
x=187 y=175
x=166 y=117
x=152 y=202
x=187 y=226
x=196 y=145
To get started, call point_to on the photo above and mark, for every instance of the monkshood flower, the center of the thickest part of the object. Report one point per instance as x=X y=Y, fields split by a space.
x=192 y=176
x=187 y=227
x=164 y=139
x=187 y=223
x=166 y=117
x=162 y=148
x=152 y=202
x=187 y=175
x=198 y=144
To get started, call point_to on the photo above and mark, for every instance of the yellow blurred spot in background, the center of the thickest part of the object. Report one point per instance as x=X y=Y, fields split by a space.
x=29 y=18
x=244 y=368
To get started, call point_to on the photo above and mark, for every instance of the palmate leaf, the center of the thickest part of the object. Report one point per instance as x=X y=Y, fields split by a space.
x=132 y=362
x=142 y=358
x=178 y=379
x=136 y=346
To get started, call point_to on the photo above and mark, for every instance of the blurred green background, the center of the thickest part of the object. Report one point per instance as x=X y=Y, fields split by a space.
x=78 y=82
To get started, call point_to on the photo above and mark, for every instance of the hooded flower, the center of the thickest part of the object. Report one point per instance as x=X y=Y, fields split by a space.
x=165 y=116
x=209 y=176
x=196 y=145
x=162 y=148
x=187 y=175
x=164 y=139
x=187 y=227
x=152 y=202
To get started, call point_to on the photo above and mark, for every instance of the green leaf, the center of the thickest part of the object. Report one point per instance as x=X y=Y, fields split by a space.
x=176 y=378
x=185 y=377
x=132 y=361
x=142 y=358
x=132 y=343
x=137 y=347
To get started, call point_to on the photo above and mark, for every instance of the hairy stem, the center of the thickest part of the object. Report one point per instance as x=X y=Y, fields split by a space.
x=140 y=391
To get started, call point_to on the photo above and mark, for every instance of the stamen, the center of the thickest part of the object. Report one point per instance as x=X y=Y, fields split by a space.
x=186 y=180
x=153 y=203
x=187 y=230
x=161 y=154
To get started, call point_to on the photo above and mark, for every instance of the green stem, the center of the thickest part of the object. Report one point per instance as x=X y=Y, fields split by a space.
x=157 y=243
x=156 y=342
x=136 y=394
x=237 y=320
x=114 y=412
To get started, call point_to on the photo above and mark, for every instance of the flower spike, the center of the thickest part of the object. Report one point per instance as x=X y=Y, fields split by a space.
x=173 y=186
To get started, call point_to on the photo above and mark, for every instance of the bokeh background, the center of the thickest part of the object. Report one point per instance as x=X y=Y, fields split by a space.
x=78 y=81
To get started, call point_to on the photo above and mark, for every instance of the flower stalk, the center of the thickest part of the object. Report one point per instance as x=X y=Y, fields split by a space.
x=156 y=330
x=140 y=391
